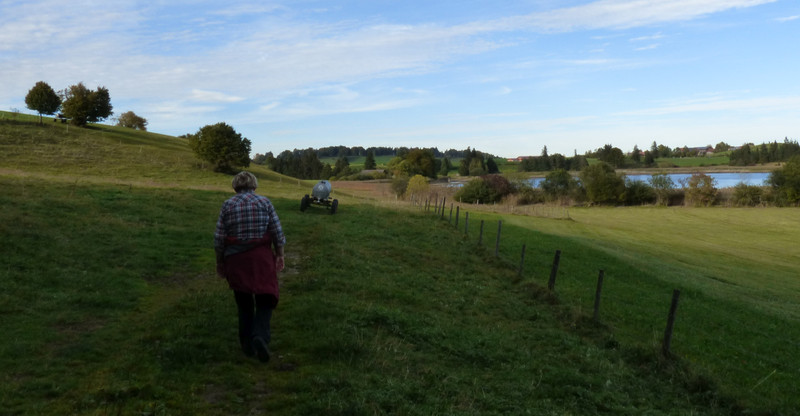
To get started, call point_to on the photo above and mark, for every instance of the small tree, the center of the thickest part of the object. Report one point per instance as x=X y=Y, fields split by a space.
x=222 y=146
x=491 y=166
x=663 y=186
x=131 y=120
x=701 y=190
x=400 y=184
x=417 y=186
x=558 y=184
x=369 y=163
x=602 y=184
x=42 y=99
x=85 y=106
x=786 y=182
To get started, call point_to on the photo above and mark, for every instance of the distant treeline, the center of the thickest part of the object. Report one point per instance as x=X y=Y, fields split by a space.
x=429 y=162
x=358 y=151
x=751 y=154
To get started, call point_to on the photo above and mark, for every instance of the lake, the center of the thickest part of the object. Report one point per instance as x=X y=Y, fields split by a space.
x=723 y=179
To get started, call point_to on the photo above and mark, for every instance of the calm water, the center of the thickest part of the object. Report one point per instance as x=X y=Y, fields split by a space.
x=723 y=180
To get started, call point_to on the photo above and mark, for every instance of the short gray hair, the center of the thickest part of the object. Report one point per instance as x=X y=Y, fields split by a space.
x=244 y=181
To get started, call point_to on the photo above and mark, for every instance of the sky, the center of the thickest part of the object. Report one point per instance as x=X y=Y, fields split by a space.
x=505 y=77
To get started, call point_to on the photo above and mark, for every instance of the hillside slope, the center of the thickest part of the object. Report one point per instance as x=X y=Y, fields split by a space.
x=111 y=304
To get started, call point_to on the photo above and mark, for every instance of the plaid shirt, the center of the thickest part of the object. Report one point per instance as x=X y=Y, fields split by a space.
x=248 y=215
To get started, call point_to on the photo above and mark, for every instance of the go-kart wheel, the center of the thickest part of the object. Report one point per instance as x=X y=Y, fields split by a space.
x=334 y=206
x=304 y=203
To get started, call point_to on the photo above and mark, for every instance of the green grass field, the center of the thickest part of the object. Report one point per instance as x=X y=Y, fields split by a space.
x=111 y=305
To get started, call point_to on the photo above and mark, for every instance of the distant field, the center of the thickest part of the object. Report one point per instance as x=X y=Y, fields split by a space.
x=683 y=162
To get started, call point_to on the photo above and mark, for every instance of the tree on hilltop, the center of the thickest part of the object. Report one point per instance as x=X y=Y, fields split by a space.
x=42 y=99
x=222 y=146
x=131 y=120
x=83 y=105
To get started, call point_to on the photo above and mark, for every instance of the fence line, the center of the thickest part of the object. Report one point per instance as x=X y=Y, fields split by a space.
x=439 y=210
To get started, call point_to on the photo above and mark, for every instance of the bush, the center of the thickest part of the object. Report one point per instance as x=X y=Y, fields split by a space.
x=559 y=184
x=638 y=193
x=476 y=190
x=785 y=182
x=602 y=184
x=400 y=184
x=529 y=196
x=417 y=186
x=485 y=189
x=701 y=190
x=747 y=195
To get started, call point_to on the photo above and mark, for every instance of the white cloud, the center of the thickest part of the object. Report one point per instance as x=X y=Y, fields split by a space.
x=213 y=96
x=621 y=14
x=787 y=19
x=760 y=104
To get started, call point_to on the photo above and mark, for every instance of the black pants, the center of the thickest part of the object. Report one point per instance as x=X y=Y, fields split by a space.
x=255 y=312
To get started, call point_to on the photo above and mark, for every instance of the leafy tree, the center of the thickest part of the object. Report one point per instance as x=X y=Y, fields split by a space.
x=558 y=184
x=785 y=182
x=85 y=106
x=611 y=155
x=220 y=145
x=131 y=120
x=602 y=184
x=42 y=99
x=369 y=163
x=663 y=187
x=722 y=147
x=417 y=185
x=701 y=190
x=421 y=162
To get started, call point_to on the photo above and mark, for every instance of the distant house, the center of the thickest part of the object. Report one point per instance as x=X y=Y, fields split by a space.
x=518 y=158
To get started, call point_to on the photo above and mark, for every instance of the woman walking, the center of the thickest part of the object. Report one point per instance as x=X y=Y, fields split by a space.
x=248 y=242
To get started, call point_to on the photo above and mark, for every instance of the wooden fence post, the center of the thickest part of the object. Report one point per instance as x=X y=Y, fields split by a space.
x=450 y=221
x=458 y=209
x=480 y=236
x=522 y=260
x=676 y=294
x=597 y=296
x=466 y=222
x=497 y=244
x=443 y=201
x=551 y=284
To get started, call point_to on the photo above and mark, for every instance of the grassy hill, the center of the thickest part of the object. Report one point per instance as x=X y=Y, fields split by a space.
x=111 y=306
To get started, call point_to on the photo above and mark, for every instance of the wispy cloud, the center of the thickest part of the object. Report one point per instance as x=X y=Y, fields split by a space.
x=788 y=18
x=622 y=14
x=760 y=104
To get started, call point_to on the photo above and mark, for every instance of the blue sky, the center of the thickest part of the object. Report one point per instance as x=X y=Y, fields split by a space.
x=505 y=77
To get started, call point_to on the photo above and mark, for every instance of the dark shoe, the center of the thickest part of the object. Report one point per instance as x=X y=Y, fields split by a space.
x=261 y=348
x=248 y=349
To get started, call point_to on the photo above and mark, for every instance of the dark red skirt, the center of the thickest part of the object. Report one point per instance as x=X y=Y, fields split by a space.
x=253 y=271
